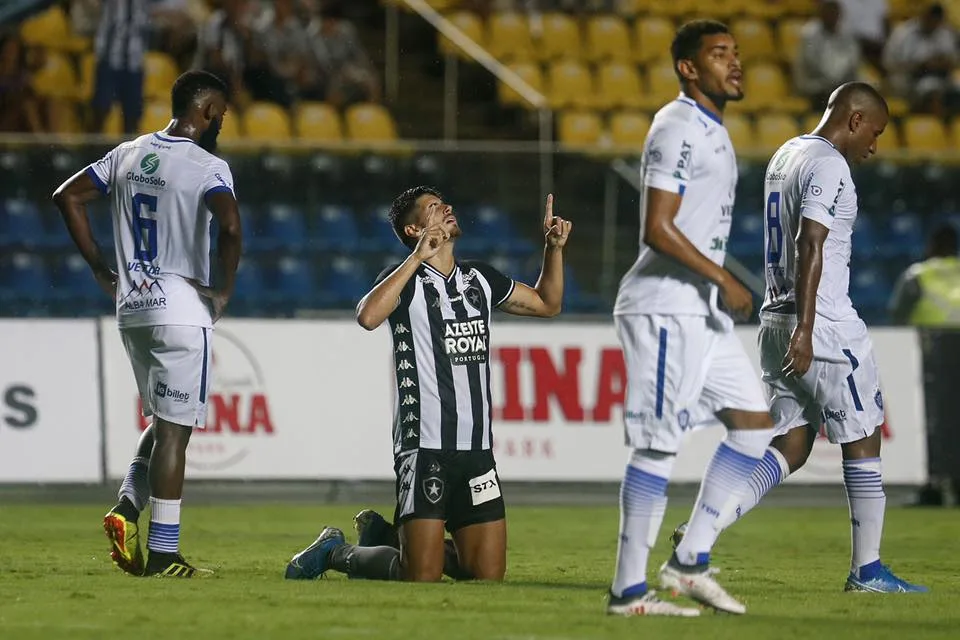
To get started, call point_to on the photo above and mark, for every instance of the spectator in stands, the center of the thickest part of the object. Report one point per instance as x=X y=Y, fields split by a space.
x=867 y=21
x=286 y=46
x=173 y=30
x=119 y=47
x=920 y=57
x=828 y=56
x=338 y=53
x=84 y=16
x=225 y=43
x=19 y=106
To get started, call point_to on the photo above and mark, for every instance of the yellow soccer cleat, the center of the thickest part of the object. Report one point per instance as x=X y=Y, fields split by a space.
x=170 y=565
x=124 y=539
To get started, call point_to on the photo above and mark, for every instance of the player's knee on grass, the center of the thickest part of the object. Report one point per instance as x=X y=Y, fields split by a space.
x=736 y=419
x=482 y=550
x=795 y=446
x=422 y=550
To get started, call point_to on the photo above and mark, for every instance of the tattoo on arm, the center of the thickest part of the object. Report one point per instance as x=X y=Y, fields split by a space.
x=517 y=306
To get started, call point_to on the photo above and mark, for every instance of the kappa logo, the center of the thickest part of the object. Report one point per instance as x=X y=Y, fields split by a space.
x=406 y=383
x=403 y=346
x=433 y=489
x=150 y=163
x=400 y=330
x=410 y=417
x=404 y=365
x=408 y=400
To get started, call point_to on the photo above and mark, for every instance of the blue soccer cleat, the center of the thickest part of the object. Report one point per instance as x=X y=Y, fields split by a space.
x=313 y=561
x=884 y=581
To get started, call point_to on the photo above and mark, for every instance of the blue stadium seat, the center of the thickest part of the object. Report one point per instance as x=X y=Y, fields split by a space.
x=252 y=229
x=335 y=227
x=903 y=236
x=380 y=235
x=869 y=287
x=77 y=289
x=865 y=237
x=24 y=227
x=510 y=266
x=249 y=288
x=345 y=281
x=285 y=228
x=296 y=286
x=488 y=228
x=27 y=285
x=746 y=234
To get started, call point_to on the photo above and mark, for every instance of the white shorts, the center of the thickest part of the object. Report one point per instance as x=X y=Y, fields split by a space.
x=172 y=367
x=680 y=372
x=840 y=392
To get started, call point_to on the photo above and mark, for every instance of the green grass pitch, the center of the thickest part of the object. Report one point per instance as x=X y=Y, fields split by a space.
x=787 y=564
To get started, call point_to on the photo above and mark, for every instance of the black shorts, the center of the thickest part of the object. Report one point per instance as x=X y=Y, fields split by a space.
x=459 y=487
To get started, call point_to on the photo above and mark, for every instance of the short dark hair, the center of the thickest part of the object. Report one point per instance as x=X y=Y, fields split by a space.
x=191 y=85
x=686 y=43
x=403 y=206
x=944 y=240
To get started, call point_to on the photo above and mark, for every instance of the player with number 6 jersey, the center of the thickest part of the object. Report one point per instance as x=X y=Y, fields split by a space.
x=164 y=190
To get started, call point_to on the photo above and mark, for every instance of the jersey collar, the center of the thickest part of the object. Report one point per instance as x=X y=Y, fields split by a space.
x=685 y=99
x=169 y=138
x=430 y=267
x=810 y=136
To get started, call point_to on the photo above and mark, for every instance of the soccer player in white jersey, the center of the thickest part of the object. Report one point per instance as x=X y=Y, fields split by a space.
x=163 y=188
x=816 y=356
x=685 y=365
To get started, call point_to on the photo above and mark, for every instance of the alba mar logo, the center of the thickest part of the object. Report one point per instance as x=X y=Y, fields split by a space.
x=150 y=163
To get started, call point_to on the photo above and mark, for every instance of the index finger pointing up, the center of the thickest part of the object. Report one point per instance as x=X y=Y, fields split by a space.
x=548 y=213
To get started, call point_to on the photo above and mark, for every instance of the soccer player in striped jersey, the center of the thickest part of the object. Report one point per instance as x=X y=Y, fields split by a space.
x=439 y=312
x=163 y=189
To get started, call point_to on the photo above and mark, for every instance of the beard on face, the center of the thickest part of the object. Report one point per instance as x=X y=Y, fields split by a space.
x=208 y=139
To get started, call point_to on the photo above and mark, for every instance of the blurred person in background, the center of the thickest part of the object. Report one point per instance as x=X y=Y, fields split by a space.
x=19 y=107
x=927 y=296
x=867 y=22
x=338 y=52
x=827 y=56
x=119 y=45
x=173 y=30
x=224 y=44
x=920 y=57
x=282 y=36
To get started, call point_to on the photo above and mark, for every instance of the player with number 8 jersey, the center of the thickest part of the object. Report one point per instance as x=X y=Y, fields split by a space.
x=164 y=190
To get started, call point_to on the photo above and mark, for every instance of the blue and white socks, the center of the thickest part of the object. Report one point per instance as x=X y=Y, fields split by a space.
x=136 y=484
x=643 y=502
x=864 y=485
x=164 y=534
x=772 y=470
x=727 y=476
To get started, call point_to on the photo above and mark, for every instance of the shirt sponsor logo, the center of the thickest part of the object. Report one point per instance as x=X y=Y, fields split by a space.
x=465 y=341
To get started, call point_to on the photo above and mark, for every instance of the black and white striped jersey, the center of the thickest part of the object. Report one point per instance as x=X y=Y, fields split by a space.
x=441 y=346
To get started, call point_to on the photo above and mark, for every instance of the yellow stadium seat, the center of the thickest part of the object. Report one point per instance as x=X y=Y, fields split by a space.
x=766 y=9
x=266 y=121
x=51 y=29
x=156 y=117
x=788 y=37
x=571 y=85
x=508 y=37
x=619 y=86
x=925 y=133
x=470 y=24
x=370 y=123
x=88 y=70
x=560 y=38
x=318 y=121
x=580 y=128
x=628 y=129
x=675 y=9
x=812 y=120
x=754 y=39
x=766 y=88
x=773 y=129
x=159 y=74
x=898 y=107
x=631 y=8
x=800 y=7
x=608 y=39
x=230 y=128
x=63 y=117
x=662 y=85
x=113 y=125
x=56 y=78
x=740 y=131
x=530 y=73
x=652 y=39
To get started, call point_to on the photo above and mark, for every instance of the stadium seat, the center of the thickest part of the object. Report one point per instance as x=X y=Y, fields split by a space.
x=571 y=85
x=471 y=25
x=768 y=89
x=674 y=9
x=925 y=133
x=652 y=39
x=754 y=39
x=159 y=73
x=64 y=117
x=265 y=121
x=628 y=129
x=580 y=128
x=869 y=287
x=510 y=266
x=156 y=117
x=619 y=86
x=608 y=39
x=345 y=281
x=740 y=131
x=508 y=37
x=788 y=35
x=335 y=228
x=248 y=285
x=370 y=123
x=531 y=74
x=28 y=277
x=230 y=127
x=559 y=38
x=318 y=122
x=773 y=129
x=865 y=237
x=766 y=10
x=662 y=85
x=285 y=228
x=24 y=227
x=903 y=236
x=75 y=283
x=812 y=120
x=296 y=285
x=88 y=69
x=746 y=233
x=379 y=232
x=51 y=30
x=56 y=78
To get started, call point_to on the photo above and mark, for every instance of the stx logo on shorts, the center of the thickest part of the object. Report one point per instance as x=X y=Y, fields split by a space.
x=163 y=391
x=838 y=415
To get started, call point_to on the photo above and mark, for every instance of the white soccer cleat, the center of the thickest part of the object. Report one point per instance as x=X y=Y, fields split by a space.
x=647 y=605
x=700 y=587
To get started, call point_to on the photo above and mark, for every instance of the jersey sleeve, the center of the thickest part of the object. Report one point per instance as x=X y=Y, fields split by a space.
x=501 y=286
x=822 y=187
x=218 y=179
x=669 y=155
x=102 y=171
x=406 y=295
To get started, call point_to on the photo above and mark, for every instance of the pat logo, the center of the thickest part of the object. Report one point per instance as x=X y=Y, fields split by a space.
x=150 y=163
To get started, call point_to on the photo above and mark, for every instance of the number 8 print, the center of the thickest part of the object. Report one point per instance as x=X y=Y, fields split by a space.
x=775 y=231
